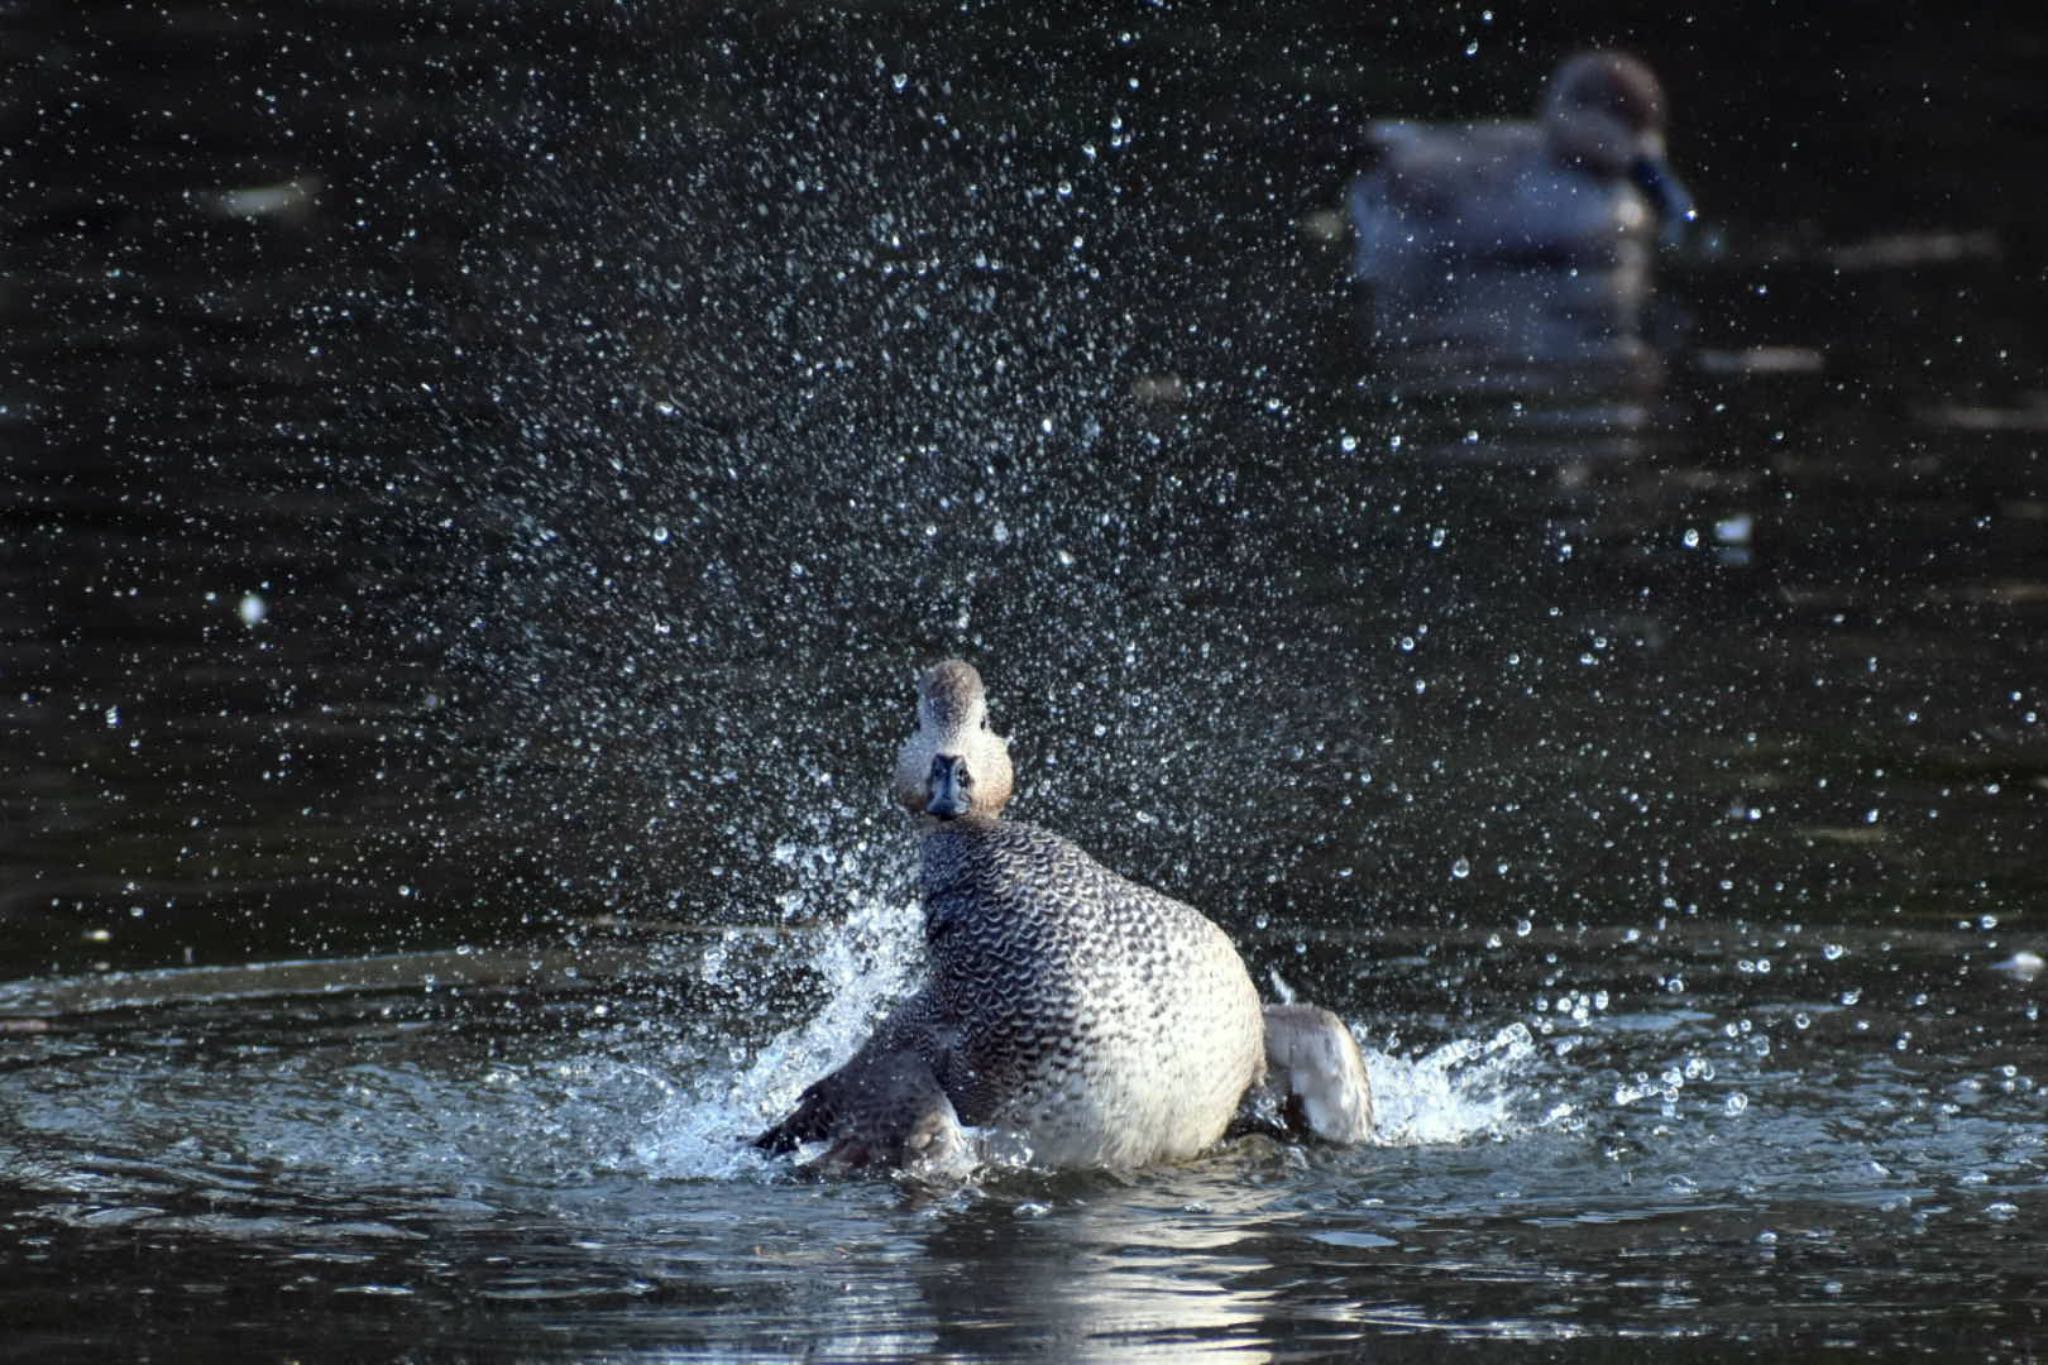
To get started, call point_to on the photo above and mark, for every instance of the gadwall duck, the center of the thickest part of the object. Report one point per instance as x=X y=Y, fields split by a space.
x=1584 y=185
x=1097 y=1021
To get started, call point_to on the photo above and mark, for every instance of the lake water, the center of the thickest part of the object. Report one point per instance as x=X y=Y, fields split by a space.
x=480 y=480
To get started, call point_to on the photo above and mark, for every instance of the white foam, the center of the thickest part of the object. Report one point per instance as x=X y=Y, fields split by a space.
x=1463 y=1090
x=869 y=959
x=869 y=956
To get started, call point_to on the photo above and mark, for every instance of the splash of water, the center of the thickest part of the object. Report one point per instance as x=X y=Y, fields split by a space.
x=868 y=960
x=1466 y=1089
x=1462 y=1090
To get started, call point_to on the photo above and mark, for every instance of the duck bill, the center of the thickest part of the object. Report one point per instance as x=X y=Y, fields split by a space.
x=1668 y=195
x=948 y=791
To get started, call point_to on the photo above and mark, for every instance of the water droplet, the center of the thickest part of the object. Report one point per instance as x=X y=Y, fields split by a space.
x=252 y=609
x=1461 y=869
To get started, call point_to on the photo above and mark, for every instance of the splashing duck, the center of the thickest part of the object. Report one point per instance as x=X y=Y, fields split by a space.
x=1097 y=1021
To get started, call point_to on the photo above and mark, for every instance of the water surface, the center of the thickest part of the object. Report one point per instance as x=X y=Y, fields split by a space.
x=480 y=480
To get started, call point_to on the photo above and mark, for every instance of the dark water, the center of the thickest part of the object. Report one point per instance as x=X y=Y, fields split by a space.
x=478 y=480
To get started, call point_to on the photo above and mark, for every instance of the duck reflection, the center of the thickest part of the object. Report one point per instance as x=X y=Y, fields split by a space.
x=1166 y=1269
x=1515 y=257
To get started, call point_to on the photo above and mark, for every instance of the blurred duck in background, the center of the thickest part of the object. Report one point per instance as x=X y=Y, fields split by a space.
x=1490 y=247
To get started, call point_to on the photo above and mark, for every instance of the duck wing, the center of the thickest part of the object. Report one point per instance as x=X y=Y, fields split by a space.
x=884 y=1109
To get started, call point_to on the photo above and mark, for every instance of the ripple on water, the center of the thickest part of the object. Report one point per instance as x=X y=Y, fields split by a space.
x=561 y=1134
x=597 y=1161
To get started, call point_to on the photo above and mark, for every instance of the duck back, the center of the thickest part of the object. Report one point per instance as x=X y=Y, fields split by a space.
x=1101 y=1021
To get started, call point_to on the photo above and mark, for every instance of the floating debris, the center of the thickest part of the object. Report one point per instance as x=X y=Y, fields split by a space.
x=1763 y=360
x=2022 y=965
x=288 y=200
x=1895 y=250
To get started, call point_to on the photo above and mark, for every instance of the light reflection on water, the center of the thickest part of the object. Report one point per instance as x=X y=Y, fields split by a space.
x=516 y=1143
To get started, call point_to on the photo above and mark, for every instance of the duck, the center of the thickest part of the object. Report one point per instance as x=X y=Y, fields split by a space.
x=1096 y=1021
x=1586 y=184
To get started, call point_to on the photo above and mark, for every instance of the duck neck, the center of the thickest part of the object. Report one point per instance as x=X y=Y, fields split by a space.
x=948 y=851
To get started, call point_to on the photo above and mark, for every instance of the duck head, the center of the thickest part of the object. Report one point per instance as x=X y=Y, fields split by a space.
x=1604 y=113
x=954 y=765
